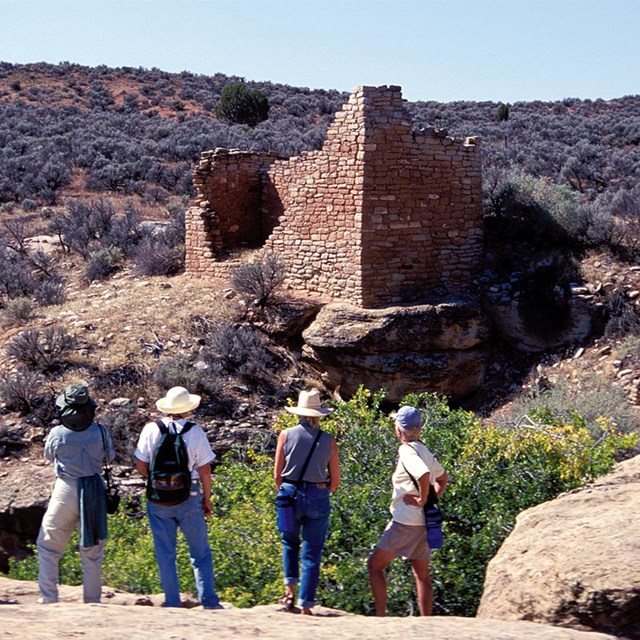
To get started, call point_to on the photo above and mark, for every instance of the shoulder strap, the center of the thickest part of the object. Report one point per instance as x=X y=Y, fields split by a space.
x=306 y=462
x=187 y=425
x=432 y=498
x=162 y=426
x=105 y=456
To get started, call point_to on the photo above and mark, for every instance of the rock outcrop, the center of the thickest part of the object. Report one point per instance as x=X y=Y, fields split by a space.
x=437 y=347
x=24 y=494
x=573 y=562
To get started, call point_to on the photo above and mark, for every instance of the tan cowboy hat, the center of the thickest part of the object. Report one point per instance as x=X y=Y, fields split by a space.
x=178 y=400
x=309 y=404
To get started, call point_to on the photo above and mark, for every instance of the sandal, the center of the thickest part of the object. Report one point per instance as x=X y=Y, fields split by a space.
x=287 y=603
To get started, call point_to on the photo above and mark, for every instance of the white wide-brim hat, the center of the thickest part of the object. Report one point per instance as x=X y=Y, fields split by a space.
x=178 y=400
x=309 y=404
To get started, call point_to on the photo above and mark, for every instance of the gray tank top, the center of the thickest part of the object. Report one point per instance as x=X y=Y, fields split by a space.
x=296 y=449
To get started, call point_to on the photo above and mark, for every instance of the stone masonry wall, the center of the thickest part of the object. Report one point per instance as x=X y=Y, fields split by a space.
x=227 y=212
x=378 y=216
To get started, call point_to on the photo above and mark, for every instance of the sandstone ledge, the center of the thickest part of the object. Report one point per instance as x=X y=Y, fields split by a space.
x=69 y=618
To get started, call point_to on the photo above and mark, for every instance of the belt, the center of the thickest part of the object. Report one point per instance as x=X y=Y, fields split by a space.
x=304 y=483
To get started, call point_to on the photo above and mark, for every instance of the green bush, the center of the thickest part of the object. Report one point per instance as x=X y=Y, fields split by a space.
x=241 y=105
x=103 y=263
x=495 y=474
x=19 y=310
x=534 y=210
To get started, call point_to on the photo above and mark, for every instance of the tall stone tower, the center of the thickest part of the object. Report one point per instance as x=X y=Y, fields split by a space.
x=379 y=216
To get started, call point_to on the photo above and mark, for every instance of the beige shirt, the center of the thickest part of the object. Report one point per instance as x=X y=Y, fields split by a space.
x=417 y=460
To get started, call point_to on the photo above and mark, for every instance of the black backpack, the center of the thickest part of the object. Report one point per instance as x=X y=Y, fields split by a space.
x=169 y=480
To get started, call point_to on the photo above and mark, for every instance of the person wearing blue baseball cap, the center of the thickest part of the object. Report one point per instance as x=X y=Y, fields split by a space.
x=405 y=535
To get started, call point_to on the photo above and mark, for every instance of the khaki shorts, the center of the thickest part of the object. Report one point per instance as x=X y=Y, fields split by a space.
x=406 y=541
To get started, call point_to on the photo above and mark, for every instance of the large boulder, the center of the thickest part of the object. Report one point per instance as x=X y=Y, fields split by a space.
x=429 y=347
x=24 y=493
x=574 y=561
x=539 y=330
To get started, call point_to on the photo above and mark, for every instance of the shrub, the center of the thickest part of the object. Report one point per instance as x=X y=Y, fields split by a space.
x=50 y=292
x=238 y=351
x=89 y=226
x=29 y=205
x=157 y=257
x=23 y=391
x=531 y=209
x=259 y=279
x=123 y=377
x=180 y=371
x=582 y=402
x=16 y=277
x=622 y=317
x=103 y=263
x=44 y=351
x=241 y=105
x=19 y=310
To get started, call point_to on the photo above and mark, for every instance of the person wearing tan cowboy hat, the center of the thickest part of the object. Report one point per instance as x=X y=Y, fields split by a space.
x=77 y=448
x=188 y=515
x=306 y=468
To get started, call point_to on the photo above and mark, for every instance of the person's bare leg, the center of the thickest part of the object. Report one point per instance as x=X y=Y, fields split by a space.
x=378 y=561
x=423 y=586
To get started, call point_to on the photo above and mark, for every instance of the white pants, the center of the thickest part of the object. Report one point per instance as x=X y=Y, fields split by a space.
x=61 y=518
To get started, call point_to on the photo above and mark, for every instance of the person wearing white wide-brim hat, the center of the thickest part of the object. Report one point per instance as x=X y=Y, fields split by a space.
x=164 y=520
x=311 y=485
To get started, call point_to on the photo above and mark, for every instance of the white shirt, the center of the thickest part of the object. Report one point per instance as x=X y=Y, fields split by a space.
x=417 y=460
x=198 y=447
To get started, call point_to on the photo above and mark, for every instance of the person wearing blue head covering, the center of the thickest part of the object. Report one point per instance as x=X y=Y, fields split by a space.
x=405 y=535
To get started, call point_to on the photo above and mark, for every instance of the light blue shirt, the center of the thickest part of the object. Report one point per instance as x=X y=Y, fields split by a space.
x=78 y=454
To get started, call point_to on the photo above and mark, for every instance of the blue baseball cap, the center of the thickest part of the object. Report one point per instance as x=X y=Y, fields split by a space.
x=408 y=418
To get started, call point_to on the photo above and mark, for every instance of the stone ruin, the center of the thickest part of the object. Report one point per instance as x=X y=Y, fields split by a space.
x=379 y=216
x=383 y=226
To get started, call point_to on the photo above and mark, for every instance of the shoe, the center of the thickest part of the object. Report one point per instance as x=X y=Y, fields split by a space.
x=43 y=600
x=287 y=603
x=213 y=607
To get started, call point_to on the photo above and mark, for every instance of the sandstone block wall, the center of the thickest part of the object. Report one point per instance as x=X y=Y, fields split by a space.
x=378 y=216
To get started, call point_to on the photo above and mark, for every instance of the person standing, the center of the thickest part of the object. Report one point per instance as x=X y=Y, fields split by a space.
x=78 y=447
x=405 y=535
x=189 y=515
x=306 y=466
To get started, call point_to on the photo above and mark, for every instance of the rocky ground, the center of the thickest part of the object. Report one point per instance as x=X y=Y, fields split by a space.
x=124 y=615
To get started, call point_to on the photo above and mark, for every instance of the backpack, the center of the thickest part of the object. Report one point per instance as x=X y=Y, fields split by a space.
x=169 y=480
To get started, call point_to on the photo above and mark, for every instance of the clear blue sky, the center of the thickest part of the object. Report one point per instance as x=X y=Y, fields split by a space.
x=444 y=50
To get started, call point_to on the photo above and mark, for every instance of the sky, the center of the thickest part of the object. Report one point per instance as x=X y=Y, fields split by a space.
x=442 y=50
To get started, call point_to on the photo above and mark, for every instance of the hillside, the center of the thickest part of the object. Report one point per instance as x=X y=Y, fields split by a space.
x=90 y=156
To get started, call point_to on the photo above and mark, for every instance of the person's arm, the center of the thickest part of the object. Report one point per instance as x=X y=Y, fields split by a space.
x=423 y=487
x=142 y=468
x=441 y=484
x=334 y=467
x=278 y=463
x=205 y=477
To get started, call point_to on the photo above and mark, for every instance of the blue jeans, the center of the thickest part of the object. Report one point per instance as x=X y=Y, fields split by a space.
x=312 y=518
x=164 y=522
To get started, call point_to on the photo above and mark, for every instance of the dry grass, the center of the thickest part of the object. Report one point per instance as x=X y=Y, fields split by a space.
x=127 y=319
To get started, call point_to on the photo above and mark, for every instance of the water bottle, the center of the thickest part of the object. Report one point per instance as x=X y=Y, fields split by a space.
x=433 y=518
x=286 y=508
